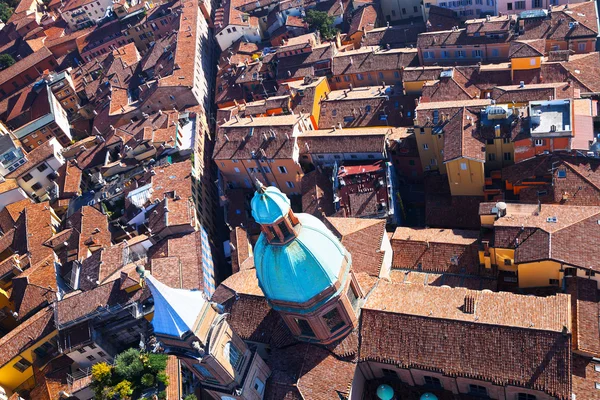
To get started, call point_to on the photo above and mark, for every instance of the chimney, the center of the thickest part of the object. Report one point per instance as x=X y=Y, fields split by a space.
x=469 y=304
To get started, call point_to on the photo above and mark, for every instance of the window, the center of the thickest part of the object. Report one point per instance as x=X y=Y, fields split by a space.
x=92 y=346
x=346 y=78
x=432 y=382
x=232 y=354
x=429 y=54
x=360 y=77
x=101 y=354
x=333 y=113
x=367 y=109
x=204 y=372
x=282 y=169
x=491 y=157
x=81 y=350
x=460 y=54
x=506 y=140
x=463 y=166
x=333 y=320
x=433 y=161
x=553 y=282
x=526 y=396
x=259 y=386
x=393 y=13
x=507 y=156
x=425 y=146
x=91 y=357
x=539 y=142
x=236 y=169
x=519 y=5
x=590 y=273
x=570 y=271
x=42 y=167
x=495 y=53
x=562 y=173
x=304 y=326
x=404 y=11
x=266 y=170
x=289 y=184
x=348 y=119
x=477 y=390
x=388 y=373
x=27 y=177
x=415 y=9
x=445 y=54
x=22 y=365
x=507 y=261
x=509 y=6
x=477 y=53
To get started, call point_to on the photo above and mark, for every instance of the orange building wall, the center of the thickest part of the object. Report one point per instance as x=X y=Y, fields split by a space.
x=525 y=149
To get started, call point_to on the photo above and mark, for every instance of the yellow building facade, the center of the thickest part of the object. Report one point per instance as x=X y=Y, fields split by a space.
x=27 y=344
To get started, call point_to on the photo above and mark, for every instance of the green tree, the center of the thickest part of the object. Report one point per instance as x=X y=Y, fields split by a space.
x=163 y=378
x=5 y=11
x=123 y=389
x=128 y=364
x=6 y=60
x=147 y=380
x=156 y=363
x=319 y=20
x=190 y=397
x=101 y=374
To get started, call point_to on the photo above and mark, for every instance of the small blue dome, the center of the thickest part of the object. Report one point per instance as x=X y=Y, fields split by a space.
x=429 y=396
x=299 y=270
x=269 y=204
x=385 y=392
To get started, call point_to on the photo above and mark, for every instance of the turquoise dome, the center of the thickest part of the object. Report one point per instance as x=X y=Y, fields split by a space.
x=302 y=268
x=385 y=392
x=269 y=204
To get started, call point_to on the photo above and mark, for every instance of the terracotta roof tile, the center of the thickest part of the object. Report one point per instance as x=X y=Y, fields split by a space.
x=26 y=334
x=363 y=239
x=179 y=260
x=316 y=373
x=317 y=194
x=235 y=142
x=364 y=19
x=402 y=324
x=585 y=313
x=80 y=304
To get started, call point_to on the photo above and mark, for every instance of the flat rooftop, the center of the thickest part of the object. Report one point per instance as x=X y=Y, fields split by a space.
x=550 y=116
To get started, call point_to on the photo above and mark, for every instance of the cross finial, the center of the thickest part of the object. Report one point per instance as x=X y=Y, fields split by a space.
x=260 y=188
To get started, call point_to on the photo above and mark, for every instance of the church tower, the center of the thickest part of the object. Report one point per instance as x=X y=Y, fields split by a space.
x=303 y=270
x=192 y=328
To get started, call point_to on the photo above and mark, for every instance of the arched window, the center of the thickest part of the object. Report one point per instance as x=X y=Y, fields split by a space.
x=232 y=354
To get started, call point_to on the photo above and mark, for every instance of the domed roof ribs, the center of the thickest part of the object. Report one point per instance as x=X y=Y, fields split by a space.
x=175 y=310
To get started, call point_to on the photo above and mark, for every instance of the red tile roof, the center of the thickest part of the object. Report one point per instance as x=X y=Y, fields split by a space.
x=177 y=261
x=313 y=371
x=80 y=304
x=519 y=340
x=586 y=313
x=364 y=19
x=363 y=239
x=26 y=334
